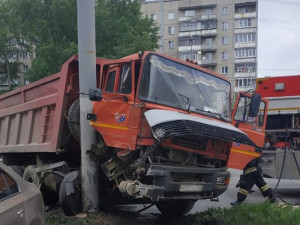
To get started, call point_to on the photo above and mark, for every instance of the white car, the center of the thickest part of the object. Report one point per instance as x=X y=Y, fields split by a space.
x=21 y=202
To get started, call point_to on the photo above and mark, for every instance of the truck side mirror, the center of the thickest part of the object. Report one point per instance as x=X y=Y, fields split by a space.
x=255 y=104
x=95 y=94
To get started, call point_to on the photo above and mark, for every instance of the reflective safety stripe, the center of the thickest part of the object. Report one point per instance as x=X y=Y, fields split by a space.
x=243 y=191
x=264 y=188
x=96 y=124
x=250 y=170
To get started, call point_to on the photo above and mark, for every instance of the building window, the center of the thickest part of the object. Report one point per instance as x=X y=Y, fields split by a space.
x=171 y=44
x=210 y=24
x=24 y=55
x=209 y=55
x=3 y=81
x=190 y=55
x=224 y=10
x=245 y=52
x=154 y=16
x=224 y=40
x=224 y=55
x=243 y=82
x=224 y=70
x=189 y=26
x=244 y=38
x=171 y=30
x=244 y=10
x=190 y=41
x=208 y=11
x=223 y=99
x=208 y=41
x=170 y=15
x=242 y=23
x=25 y=68
x=189 y=13
x=225 y=25
x=245 y=68
x=13 y=55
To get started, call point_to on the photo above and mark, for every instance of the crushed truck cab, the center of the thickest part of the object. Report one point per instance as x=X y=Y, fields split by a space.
x=163 y=125
x=166 y=124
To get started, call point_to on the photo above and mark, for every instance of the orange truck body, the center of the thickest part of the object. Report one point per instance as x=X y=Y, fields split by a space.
x=240 y=153
x=163 y=125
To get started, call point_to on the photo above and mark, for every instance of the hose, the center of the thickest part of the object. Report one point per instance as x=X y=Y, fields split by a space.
x=282 y=167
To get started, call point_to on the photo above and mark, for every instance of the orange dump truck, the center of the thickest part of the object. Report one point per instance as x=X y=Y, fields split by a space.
x=163 y=126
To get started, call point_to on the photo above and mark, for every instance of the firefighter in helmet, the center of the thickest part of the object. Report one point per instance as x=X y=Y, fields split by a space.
x=252 y=174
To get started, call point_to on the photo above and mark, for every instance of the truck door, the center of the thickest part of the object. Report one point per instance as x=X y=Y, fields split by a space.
x=253 y=126
x=113 y=112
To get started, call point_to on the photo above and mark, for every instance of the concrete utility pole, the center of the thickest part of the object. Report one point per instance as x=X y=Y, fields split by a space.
x=162 y=25
x=87 y=80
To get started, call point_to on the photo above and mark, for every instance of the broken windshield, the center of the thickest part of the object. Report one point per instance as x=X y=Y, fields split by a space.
x=173 y=84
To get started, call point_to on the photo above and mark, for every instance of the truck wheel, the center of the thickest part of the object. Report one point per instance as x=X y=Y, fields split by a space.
x=31 y=176
x=17 y=169
x=175 y=208
x=70 y=194
x=74 y=119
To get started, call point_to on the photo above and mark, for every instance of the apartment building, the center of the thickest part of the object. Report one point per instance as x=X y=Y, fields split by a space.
x=24 y=59
x=220 y=34
x=15 y=54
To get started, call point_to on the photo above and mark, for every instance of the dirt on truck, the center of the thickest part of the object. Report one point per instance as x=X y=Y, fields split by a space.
x=164 y=132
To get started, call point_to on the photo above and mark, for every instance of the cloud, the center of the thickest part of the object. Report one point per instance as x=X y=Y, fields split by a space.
x=278 y=37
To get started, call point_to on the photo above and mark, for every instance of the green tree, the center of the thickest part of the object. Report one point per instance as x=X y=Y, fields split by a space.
x=121 y=29
x=51 y=25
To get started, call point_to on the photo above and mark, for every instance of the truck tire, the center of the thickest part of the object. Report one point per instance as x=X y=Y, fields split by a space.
x=74 y=119
x=31 y=176
x=17 y=169
x=175 y=208
x=70 y=194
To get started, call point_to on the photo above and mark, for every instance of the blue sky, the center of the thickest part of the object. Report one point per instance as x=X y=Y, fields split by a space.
x=278 y=51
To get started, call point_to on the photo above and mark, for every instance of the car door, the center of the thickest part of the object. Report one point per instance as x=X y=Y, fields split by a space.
x=253 y=126
x=12 y=206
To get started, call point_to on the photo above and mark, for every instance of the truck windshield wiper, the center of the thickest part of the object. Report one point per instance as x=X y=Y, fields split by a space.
x=188 y=101
x=210 y=112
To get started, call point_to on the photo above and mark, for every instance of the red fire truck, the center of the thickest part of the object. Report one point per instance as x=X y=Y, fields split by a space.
x=281 y=155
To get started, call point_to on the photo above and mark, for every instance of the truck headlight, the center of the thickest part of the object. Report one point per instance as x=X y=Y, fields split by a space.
x=223 y=180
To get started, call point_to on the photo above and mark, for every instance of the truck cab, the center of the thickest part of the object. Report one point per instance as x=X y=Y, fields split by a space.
x=167 y=127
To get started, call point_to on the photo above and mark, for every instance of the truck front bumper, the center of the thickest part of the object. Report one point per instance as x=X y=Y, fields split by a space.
x=208 y=183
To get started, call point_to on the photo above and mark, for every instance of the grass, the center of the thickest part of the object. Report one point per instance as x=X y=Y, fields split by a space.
x=252 y=214
x=245 y=214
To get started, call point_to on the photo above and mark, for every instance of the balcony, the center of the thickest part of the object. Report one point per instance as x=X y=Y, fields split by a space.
x=197 y=48
x=209 y=33
x=245 y=45
x=242 y=89
x=238 y=30
x=208 y=17
x=189 y=48
x=245 y=74
x=245 y=15
x=208 y=47
x=194 y=4
x=197 y=18
x=207 y=62
x=245 y=60
x=204 y=33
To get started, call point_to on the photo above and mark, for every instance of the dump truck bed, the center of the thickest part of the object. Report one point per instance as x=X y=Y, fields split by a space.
x=32 y=118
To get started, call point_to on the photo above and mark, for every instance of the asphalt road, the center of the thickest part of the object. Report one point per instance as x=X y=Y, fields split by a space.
x=289 y=190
